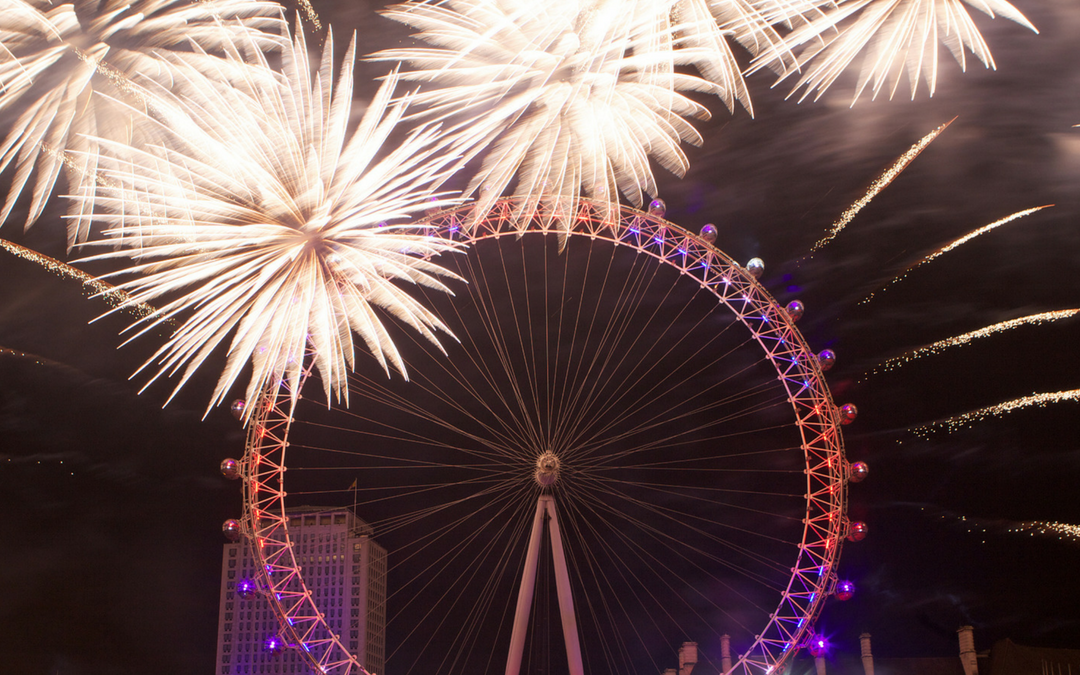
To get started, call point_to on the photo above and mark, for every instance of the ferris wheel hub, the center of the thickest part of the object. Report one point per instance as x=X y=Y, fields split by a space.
x=547 y=469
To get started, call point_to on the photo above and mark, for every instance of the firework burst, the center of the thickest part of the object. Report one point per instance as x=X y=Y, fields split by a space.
x=260 y=220
x=568 y=97
x=54 y=56
x=898 y=37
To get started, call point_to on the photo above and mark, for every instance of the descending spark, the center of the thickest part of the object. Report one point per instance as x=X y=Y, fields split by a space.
x=55 y=56
x=958 y=340
x=111 y=294
x=310 y=14
x=263 y=221
x=967 y=419
x=879 y=184
x=1041 y=528
x=948 y=247
x=896 y=36
x=569 y=96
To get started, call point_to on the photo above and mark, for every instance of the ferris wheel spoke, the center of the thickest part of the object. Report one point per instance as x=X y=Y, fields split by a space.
x=656 y=404
x=427 y=578
x=687 y=435
x=680 y=520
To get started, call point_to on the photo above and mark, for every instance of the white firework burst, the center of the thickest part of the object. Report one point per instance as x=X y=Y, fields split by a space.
x=259 y=220
x=569 y=96
x=54 y=56
x=897 y=36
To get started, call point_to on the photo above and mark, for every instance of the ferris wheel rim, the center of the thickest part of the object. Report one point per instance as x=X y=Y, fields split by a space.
x=824 y=525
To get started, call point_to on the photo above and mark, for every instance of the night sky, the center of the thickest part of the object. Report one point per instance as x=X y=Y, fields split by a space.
x=112 y=504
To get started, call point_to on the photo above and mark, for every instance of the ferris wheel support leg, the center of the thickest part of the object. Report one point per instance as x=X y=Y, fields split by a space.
x=525 y=594
x=562 y=586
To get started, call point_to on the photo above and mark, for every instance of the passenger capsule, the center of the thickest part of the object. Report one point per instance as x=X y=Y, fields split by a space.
x=817 y=645
x=845 y=590
x=848 y=413
x=237 y=408
x=657 y=208
x=230 y=468
x=708 y=232
x=858 y=472
x=856 y=531
x=231 y=529
x=795 y=310
x=756 y=267
x=826 y=360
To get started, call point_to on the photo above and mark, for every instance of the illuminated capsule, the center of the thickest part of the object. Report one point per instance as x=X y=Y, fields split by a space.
x=817 y=646
x=708 y=232
x=237 y=408
x=274 y=644
x=856 y=531
x=756 y=267
x=858 y=472
x=848 y=413
x=231 y=529
x=245 y=588
x=826 y=360
x=657 y=208
x=230 y=468
x=795 y=310
x=845 y=590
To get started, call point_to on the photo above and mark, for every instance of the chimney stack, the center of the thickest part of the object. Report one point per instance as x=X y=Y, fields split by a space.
x=967 y=650
x=819 y=664
x=867 y=656
x=725 y=652
x=687 y=657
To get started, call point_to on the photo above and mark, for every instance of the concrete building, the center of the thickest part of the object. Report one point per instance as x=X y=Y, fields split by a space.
x=343 y=566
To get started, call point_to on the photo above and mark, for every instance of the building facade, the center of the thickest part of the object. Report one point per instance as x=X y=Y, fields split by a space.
x=345 y=569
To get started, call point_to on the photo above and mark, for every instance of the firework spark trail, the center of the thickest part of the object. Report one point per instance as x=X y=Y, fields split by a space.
x=959 y=242
x=111 y=294
x=967 y=419
x=958 y=340
x=879 y=184
x=1047 y=528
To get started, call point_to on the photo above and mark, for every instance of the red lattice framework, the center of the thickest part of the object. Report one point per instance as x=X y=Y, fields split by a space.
x=825 y=523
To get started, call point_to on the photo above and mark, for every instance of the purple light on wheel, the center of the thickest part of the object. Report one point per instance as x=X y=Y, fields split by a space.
x=274 y=644
x=845 y=590
x=245 y=588
x=817 y=645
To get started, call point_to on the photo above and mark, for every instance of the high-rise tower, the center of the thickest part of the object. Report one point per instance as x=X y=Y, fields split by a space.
x=343 y=566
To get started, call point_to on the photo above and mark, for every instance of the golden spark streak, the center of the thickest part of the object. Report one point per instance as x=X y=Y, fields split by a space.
x=967 y=419
x=1048 y=528
x=879 y=184
x=958 y=340
x=962 y=240
x=112 y=295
